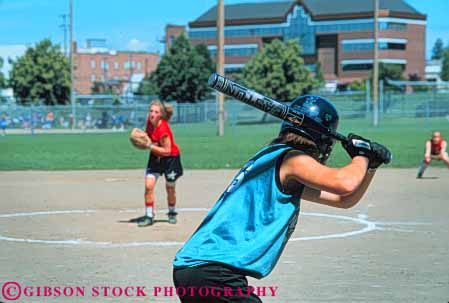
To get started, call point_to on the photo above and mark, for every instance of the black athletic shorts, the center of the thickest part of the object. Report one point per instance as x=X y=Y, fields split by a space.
x=171 y=167
x=212 y=283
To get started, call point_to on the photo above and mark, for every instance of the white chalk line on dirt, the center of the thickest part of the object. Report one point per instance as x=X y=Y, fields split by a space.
x=183 y=210
x=368 y=227
x=46 y=213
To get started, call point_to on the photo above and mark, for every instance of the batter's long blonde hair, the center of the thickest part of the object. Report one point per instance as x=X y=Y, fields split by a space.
x=166 y=110
x=297 y=142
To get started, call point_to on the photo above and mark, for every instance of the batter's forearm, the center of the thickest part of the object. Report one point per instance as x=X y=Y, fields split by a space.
x=353 y=198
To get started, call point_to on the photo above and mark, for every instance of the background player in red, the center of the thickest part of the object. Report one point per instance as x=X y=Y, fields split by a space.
x=435 y=150
x=164 y=160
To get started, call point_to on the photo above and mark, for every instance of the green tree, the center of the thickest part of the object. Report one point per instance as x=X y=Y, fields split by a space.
x=202 y=51
x=388 y=71
x=278 y=71
x=445 y=66
x=183 y=72
x=418 y=88
x=148 y=86
x=319 y=74
x=2 y=77
x=357 y=85
x=391 y=71
x=438 y=50
x=101 y=88
x=42 y=73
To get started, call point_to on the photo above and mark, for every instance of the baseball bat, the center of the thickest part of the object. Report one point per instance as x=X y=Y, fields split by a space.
x=268 y=105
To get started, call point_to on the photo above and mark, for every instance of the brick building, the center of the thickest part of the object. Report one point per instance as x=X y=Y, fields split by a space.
x=338 y=34
x=171 y=32
x=109 y=67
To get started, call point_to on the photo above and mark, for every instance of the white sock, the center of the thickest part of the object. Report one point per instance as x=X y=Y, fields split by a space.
x=149 y=211
x=172 y=209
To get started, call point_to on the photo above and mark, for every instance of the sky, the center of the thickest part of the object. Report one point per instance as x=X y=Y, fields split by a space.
x=139 y=24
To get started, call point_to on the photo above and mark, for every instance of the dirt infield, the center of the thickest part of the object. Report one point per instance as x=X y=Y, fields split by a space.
x=75 y=229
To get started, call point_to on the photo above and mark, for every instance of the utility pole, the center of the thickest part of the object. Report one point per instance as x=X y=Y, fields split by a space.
x=104 y=68
x=376 y=65
x=220 y=64
x=72 y=82
x=64 y=27
x=131 y=73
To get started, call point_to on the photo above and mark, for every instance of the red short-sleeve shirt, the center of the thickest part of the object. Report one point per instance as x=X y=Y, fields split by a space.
x=162 y=130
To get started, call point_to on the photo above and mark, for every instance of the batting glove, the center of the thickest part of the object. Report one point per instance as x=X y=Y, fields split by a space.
x=379 y=155
x=357 y=146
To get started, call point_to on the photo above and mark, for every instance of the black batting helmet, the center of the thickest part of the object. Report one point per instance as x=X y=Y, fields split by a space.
x=321 y=111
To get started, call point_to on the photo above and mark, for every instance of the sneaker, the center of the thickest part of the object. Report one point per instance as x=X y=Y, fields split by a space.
x=145 y=221
x=419 y=176
x=172 y=217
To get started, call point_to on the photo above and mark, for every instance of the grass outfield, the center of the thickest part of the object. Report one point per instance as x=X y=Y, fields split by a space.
x=201 y=148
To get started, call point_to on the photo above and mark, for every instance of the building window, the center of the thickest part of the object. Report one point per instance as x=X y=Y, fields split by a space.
x=116 y=65
x=93 y=64
x=392 y=26
x=360 y=45
x=344 y=27
x=129 y=65
x=392 y=46
x=363 y=65
x=362 y=26
x=139 y=66
x=92 y=78
x=275 y=30
x=235 y=50
x=357 y=67
x=357 y=47
x=233 y=68
x=104 y=65
x=242 y=52
x=311 y=67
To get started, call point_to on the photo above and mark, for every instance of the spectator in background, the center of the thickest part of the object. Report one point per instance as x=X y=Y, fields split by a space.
x=114 y=121
x=63 y=123
x=49 y=120
x=4 y=123
x=35 y=118
x=88 y=123
x=104 y=120
x=25 y=122
x=132 y=118
x=121 y=122
x=71 y=121
x=81 y=124
x=15 y=122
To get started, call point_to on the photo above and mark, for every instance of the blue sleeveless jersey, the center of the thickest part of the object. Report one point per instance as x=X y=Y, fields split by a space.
x=251 y=222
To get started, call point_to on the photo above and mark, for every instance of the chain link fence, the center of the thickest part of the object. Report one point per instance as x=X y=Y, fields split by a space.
x=111 y=113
